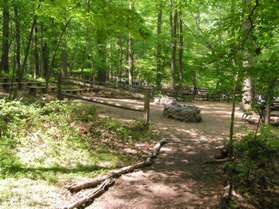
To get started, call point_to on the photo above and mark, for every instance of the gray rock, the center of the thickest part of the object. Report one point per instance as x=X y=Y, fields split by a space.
x=183 y=113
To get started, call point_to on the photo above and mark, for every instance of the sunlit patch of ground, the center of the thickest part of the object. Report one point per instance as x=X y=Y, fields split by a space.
x=28 y=193
x=180 y=178
x=52 y=148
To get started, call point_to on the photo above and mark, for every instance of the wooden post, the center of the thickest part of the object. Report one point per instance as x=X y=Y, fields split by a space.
x=147 y=106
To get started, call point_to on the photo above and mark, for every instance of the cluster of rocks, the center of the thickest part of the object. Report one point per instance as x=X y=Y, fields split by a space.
x=172 y=109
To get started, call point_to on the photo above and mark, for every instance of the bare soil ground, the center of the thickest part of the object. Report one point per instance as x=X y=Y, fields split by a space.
x=180 y=178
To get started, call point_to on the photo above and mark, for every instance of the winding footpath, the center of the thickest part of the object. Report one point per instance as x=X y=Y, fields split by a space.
x=180 y=178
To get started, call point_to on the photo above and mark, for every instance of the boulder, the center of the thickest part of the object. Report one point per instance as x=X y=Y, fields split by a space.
x=184 y=113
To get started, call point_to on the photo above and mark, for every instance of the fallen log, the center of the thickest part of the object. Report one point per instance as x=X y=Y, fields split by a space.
x=92 y=195
x=104 y=102
x=118 y=172
x=134 y=95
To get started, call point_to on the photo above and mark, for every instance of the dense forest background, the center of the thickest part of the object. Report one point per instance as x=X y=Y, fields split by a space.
x=174 y=43
x=134 y=58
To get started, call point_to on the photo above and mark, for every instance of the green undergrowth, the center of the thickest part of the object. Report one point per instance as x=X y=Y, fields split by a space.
x=254 y=170
x=51 y=143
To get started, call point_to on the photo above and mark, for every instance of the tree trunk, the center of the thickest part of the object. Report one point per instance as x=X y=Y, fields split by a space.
x=5 y=40
x=194 y=82
x=130 y=60
x=101 y=57
x=121 y=53
x=181 y=48
x=119 y=172
x=130 y=54
x=18 y=41
x=64 y=62
x=36 y=53
x=27 y=52
x=267 y=111
x=173 y=26
x=45 y=56
x=269 y=96
x=159 y=71
x=247 y=94
x=249 y=54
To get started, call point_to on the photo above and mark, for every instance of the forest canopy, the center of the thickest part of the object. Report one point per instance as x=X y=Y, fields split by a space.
x=175 y=42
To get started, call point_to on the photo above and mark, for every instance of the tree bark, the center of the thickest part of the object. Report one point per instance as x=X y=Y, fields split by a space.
x=130 y=60
x=181 y=47
x=64 y=62
x=22 y=69
x=18 y=40
x=121 y=53
x=147 y=107
x=159 y=70
x=249 y=54
x=131 y=63
x=269 y=96
x=118 y=172
x=173 y=26
x=92 y=195
x=36 y=53
x=6 y=38
x=45 y=56
x=101 y=57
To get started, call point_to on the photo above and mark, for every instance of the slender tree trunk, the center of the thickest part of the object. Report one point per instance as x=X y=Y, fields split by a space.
x=130 y=60
x=36 y=53
x=45 y=56
x=249 y=54
x=101 y=57
x=121 y=59
x=18 y=41
x=231 y=141
x=269 y=96
x=159 y=71
x=247 y=96
x=181 y=47
x=194 y=82
x=173 y=26
x=267 y=111
x=22 y=69
x=60 y=39
x=6 y=38
x=130 y=54
x=64 y=62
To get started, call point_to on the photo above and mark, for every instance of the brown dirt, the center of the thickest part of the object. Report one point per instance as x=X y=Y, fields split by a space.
x=179 y=179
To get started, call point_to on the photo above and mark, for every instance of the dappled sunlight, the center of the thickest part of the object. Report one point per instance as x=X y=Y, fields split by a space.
x=181 y=172
x=28 y=193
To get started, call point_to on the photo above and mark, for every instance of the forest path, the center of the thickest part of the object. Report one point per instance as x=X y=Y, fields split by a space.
x=179 y=179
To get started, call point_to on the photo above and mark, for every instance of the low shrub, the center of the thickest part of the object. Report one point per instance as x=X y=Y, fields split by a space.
x=255 y=168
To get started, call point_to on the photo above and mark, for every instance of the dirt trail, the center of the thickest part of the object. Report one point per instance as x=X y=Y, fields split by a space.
x=179 y=179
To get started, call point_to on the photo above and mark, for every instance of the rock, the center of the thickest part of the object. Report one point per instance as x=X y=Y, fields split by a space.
x=183 y=113
x=165 y=100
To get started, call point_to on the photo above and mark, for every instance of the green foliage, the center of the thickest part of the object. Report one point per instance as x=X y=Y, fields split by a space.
x=133 y=132
x=12 y=113
x=55 y=107
x=255 y=168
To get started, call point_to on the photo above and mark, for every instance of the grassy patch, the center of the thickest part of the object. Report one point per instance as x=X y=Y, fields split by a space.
x=44 y=145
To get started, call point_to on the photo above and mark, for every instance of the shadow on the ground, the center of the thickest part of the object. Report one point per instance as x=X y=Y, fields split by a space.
x=180 y=178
